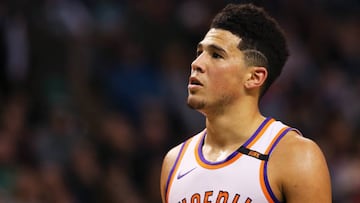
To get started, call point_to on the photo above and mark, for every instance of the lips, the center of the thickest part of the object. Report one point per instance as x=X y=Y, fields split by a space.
x=195 y=81
x=194 y=85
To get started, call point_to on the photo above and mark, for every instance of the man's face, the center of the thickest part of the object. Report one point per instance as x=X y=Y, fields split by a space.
x=218 y=72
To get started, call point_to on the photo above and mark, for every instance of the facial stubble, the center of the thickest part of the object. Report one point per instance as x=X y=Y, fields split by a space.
x=218 y=107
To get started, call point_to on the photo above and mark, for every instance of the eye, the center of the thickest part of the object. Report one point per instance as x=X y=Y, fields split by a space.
x=216 y=55
x=198 y=53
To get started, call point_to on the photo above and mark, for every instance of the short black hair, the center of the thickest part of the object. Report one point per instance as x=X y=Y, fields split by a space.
x=262 y=40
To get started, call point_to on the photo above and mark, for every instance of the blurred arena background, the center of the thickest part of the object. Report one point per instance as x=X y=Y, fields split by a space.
x=93 y=92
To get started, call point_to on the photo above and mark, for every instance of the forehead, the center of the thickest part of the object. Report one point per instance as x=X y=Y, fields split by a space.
x=221 y=38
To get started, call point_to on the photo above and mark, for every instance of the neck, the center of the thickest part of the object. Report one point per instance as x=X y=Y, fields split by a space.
x=233 y=126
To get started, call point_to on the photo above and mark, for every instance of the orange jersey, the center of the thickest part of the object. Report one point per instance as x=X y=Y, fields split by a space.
x=240 y=178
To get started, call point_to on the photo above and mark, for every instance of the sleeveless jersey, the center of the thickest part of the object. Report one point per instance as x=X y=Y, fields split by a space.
x=240 y=178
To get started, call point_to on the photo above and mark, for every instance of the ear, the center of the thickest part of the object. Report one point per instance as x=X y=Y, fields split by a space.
x=257 y=77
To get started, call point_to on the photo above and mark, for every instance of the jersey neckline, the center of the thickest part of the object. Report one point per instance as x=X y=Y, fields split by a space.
x=201 y=160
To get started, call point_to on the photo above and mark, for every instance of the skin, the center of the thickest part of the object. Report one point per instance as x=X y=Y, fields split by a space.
x=226 y=90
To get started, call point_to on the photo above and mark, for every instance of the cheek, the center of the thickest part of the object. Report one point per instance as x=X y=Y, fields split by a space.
x=226 y=81
x=225 y=86
x=220 y=83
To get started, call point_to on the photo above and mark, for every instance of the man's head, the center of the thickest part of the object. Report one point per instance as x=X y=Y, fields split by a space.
x=262 y=40
x=238 y=59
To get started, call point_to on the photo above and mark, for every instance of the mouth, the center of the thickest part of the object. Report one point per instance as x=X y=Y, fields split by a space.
x=195 y=82
x=194 y=85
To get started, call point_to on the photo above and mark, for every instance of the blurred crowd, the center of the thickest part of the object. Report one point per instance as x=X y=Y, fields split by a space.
x=93 y=92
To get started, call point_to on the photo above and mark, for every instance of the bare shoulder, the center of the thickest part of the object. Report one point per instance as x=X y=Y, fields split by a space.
x=170 y=159
x=299 y=170
x=168 y=162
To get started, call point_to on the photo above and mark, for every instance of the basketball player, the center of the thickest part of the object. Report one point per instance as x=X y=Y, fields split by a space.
x=242 y=156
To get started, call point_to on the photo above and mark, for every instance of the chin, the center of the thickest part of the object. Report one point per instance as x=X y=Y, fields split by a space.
x=195 y=103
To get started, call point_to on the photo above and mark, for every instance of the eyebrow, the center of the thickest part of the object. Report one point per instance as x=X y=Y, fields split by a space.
x=212 y=47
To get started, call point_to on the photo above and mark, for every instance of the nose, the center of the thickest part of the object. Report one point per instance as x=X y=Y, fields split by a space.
x=197 y=65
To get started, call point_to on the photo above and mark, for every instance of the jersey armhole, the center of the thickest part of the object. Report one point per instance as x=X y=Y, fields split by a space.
x=265 y=185
x=175 y=167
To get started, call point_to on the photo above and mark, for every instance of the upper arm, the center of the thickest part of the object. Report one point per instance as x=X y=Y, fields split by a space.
x=302 y=173
x=167 y=164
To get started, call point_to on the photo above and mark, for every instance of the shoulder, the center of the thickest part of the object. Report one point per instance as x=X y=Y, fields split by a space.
x=172 y=155
x=299 y=151
x=299 y=169
x=170 y=158
x=167 y=164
